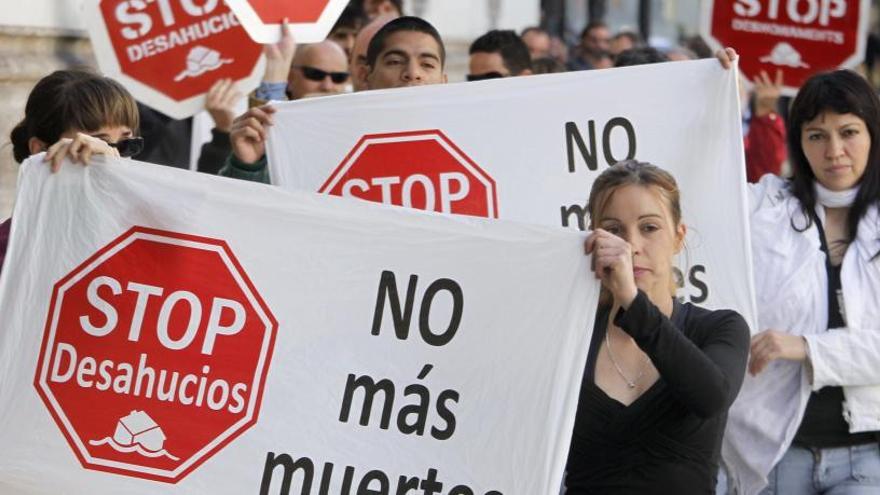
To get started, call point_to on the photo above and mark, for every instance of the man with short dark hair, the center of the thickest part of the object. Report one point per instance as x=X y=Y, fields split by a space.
x=592 y=53
x=538 y=42
x=407 y=51
x=357 y=63
x=640 y=56
x=623 y=41
x=498 y=53
x=346 y=28
x=375 y=8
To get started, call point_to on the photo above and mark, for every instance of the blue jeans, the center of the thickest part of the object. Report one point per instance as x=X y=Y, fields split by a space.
x=838 y=471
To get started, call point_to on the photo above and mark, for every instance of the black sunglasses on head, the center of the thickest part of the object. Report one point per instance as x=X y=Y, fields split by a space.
x=129 y=147
x=315 y=74
x=483 y=77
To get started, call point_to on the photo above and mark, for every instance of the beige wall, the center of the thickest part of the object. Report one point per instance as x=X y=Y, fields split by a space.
x=26 y=55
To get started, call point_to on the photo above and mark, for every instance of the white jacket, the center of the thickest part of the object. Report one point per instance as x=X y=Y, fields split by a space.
x=792 y=295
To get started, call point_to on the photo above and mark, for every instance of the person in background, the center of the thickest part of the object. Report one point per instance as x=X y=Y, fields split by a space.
x=295 y=72
x=220 y=103
x=660 y=375
x=640 y=56
x=375 y=8
x=680 y=54
x=537 y=40
x=345 y=31
x=319 y=68
x=763 y=128
x=547 y=65
x=498 y=53
x=357 y=63
x=592 y=52
x=407 y=51
x=559 y=50
x=624 y=40
x=74 y=114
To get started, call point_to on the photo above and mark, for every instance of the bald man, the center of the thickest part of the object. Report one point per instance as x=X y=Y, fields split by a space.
x=358 y=62
x=319 y=68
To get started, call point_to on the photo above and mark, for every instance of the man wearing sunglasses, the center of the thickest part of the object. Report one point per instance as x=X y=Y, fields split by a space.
x=498 y=53
x=320 y=68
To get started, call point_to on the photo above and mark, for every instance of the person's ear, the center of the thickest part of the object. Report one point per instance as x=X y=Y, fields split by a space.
x=362 y=73
x=680 y=234
x=36 y=145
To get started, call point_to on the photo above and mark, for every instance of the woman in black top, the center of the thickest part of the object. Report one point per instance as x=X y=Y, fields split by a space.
x=660 y=375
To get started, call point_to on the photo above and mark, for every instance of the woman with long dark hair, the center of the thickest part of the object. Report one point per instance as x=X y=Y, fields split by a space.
x=808 y=418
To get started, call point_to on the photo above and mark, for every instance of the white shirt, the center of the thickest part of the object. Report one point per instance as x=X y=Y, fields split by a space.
x=791 y=286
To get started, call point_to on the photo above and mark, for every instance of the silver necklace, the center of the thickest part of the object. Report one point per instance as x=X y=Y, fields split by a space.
x=629 y=383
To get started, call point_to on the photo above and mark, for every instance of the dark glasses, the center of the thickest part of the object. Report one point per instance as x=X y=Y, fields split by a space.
x=483 y=77
x=314 y=74
x=129 y=147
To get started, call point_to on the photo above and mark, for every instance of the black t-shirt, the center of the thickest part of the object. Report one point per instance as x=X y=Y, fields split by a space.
x=669 y=439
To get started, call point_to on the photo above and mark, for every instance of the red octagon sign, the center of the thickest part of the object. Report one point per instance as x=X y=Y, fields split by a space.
x=420 y=169
x=154 y=354
x=800 y=37
x=169 y=53
x=310 y=20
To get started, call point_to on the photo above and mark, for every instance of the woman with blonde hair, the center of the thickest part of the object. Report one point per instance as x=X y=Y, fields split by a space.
x=660 y=374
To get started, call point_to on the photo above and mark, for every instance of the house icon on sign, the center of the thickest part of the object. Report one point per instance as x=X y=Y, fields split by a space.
x=139 y=428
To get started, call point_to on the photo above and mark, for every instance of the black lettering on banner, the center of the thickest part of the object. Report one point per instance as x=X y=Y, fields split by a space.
x=630 y=138
x=412 y=418
x=370 y=388
x=430 y=485
x=373 y=482
x=699 y=284
x=588 y=154
x=694 y=281
x=402 y=317
x=388 y=291
x=454 y=290
x=374 y=475
x=289 y=467
x=572 y=133
x=579 y=212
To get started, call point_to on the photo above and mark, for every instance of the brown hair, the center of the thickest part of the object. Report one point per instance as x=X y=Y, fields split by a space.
x=636 y=173
x=74 y=99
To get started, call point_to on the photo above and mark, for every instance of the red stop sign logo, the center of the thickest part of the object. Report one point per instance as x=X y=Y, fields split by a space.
x=310 y=20
x=154 y=354
x=799 y=37
x=169 y=53
x=422 y=169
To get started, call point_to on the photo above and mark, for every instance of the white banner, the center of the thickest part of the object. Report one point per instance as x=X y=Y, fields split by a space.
x=529 y=148
x=175 y=333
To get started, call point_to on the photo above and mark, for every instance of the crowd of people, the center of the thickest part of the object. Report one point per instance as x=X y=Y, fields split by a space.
x=675 y=398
